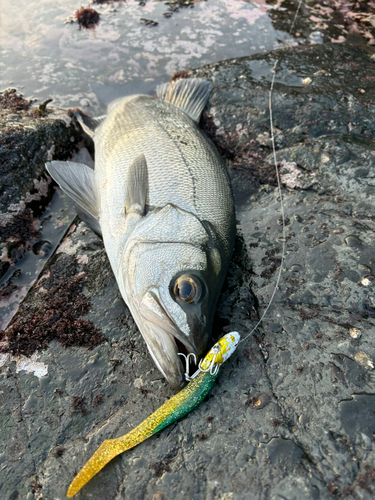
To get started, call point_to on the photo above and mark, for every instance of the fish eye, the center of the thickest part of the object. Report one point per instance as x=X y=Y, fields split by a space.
x=188 y=289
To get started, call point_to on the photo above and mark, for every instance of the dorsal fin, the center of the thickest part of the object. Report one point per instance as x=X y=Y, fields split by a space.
x=78 y=181
x=88 y=123
x=136 y=186
x=190 y=95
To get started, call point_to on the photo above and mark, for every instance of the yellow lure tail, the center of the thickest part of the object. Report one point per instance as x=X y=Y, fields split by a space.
x=173 y=409
x=101 y=457
x=108 y=450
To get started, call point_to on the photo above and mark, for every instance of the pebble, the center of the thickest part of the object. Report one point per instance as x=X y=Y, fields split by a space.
x=85 y=102
x=364 y=360
x=368 y=280
x=355 y=333
x=159 y=495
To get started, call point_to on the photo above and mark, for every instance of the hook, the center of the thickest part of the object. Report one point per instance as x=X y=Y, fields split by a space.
x=187 y=361
x=212 y=368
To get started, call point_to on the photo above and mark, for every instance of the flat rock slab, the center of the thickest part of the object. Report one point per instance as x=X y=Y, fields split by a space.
x=32 y=220
x=291 y=414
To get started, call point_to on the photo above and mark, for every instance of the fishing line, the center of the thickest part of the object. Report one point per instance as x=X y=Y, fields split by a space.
x=278 y=179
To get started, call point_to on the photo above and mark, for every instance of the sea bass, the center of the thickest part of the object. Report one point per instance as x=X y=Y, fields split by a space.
x=161 y=198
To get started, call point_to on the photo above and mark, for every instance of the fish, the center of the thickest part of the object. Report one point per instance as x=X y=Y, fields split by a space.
x=161 y=198
x=175 y=408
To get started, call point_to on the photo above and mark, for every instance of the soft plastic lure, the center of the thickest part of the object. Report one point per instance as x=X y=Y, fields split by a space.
x=175 y=408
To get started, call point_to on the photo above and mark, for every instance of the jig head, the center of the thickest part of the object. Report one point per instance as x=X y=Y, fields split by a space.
x=215 y=357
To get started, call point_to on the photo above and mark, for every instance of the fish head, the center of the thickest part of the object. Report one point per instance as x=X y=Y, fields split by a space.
x=171 y=276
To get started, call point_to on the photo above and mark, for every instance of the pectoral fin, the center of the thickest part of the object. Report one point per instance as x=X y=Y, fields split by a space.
x=78 y=181
x=190 y=95
x=136 y=186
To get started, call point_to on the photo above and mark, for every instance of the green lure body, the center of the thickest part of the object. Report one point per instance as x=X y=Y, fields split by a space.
x=191 y=397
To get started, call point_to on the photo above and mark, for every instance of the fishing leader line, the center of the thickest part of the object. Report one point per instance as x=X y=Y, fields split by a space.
x=277 y=176
x=210 y=368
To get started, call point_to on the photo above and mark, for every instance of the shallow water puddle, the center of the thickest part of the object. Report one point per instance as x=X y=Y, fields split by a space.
x=47 y=58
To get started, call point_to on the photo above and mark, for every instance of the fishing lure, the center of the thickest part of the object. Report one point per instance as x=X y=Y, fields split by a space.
x=175 y=408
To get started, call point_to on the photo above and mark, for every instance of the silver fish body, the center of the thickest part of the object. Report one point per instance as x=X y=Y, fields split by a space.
x=164 y=204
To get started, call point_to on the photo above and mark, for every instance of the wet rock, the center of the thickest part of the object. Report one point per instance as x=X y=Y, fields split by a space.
x=291 y=415
x=28 y=235
x=322 y=292
x=27 y=140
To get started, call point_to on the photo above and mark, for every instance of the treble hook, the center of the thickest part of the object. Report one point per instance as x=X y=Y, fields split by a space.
x=187 y=361
x=212 y=368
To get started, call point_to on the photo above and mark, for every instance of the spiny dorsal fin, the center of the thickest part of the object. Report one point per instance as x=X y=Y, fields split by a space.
x=136 y=186
x=89 y=124
x=78 y=181
x=190 y=95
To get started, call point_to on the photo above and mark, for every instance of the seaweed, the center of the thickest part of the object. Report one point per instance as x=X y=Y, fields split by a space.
x=163 y=465
x=58 y=451
x=148 y=22
x=97 y=400
x=87 y=17
x=245 y=157
x=9 y=99
x=56 y=316
x=78 y=405
x=21 y=228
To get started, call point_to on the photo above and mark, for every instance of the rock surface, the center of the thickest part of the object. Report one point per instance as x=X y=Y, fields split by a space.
x=291 y=415
x=29 y=137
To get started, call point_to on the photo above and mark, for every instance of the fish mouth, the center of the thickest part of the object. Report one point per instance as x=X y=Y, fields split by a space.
x=165 y=340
